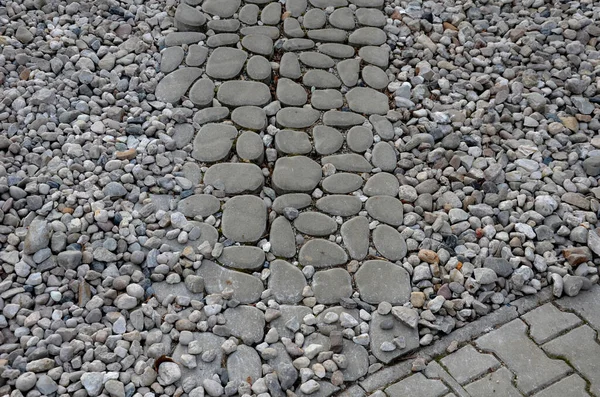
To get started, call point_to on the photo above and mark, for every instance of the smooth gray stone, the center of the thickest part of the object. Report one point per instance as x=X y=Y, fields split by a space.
x=314 y=19
x=244 y=219
x=298 y=45
x=258 y=44
x=330 y=286
x=382 y=184
x=382 y=281
x=290 y=66
x=269 y=31
x=210 y=115
x=385 y=209
x=389 y=243
x=271 y=14
x=315 y=224
x=329 y=3
x=199 y=205
x=221 y=8
x=222 y=39
x=348 y=162
x=183 y=134
x=348 y=70
x=235 y=178
x=292 y=142
x=244 y=93
x=296 y=174
x=368 y=3
x=250 y=117
x=286 y=282
x=249 y=14
x=224 y=25
x=213 y=142
x=259 y=68
x=370 y=17
x=290 y=93
x=295 y=200
x=326 y=388
x=367 y=101
x=342 y=18
x=189 y=16
x=325 y=329
x=367 y=36
x=207 y=341
x=297 y=117
x=171 y=58
x=207 y=233
x=37 y=237
x=399 y=330
x=244 y=365
x=359 y=139
x=321 y=253
x=289 y=314
x=328 y=35
x=242 y=257
x=339 y=205
x=246 y=288
x=327 y=99
x=292 y=28
x=327 y=140
x=179 y=38
x=342 y=183
x=321 y=79
x=501 y=266
x=284 y=371
x=383 y=127
x=384 y=156
x=377 y=56
x=358 y=361
x=246 y=323
x=355 y=234
x=196 y=55
x=296 y=7
x=335 y=118
x=174 y=85
x=337 y=50
x=162 y=290
x=225 y=63
x=314 y=59
x=249 y=146
x=374 y=77
x=282 y=238
x=202 y=92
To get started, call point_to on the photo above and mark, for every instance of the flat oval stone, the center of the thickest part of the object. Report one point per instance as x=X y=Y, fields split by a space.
x=335 y=118
x=375 y=56
x=298 y=45
x=290 y=66
x=321 y=79
x=269 y=31
x=259 y=68
x=174 y=85
x=179 y=38
x=246 y=288
x=386 y=209
x=170 y=59
x=329 y=3
x=199 y=205
x=244 y=218
x=242 y=257
x=370 y=17
x=384 y=156
x=316 y=60
x=368 y=3
x=207 y=233
x=244 y=93
x=382 y=184
x=202 y=92
x=374 y=77
x=210 y=115
x=213 y=142
x=250 y=117
x=286 y=282
x=290 y=93
x=326 y=99
x=321 y=253
x=342 y=183
x=348 y=162
x=328 y=35
x=297 y=117
x=189 y=16
x=337 y=50
x=224 y=25
x=296 y=7
x=292 y=142
x=235 y=178
x=221 y=8
x=296 y=174
x=315 y=224
x=327 y=140
x=314 y=19
x=330 y=286
x=246 y=323
x=225 y=63
x=339 y=205
x=222 y=39
x=367 y=36
x=382 y=281
x=196 y=55
x=367 y=101
x=282 y=239
x=292 y=28
x=359 y=139
x=342 y=18
x=389 y=243
x=249 y=146
x=249 y=14
x=294 y=200
x=271 y=14
x=383 y=127
x=258 y=44
x=244 y=365
x=355 y=235
x=348 y=70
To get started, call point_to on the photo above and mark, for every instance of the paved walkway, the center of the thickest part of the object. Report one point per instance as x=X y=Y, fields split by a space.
x=550 y=350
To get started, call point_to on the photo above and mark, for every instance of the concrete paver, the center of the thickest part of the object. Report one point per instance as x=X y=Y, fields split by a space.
x=547 y=322
x=586 y=304
x=498 y=383
x=467 y=364
x=571 y=386
x=417 y=385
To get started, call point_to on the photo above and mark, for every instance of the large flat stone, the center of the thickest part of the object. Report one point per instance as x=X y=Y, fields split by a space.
x=389 y=243
x=174 y=85
x=348 y=162
x=246 y=323
x=467 y=364
x=367 y=101
x=386 y=209
x=199 y=205
x=244 y=93
x=213 y=142
x=381 y=281
x=235 y=178
x=315 y=224
x=282 y=238
x=547 y=322
x=225 y=63
x=296 y=174
x=244 y=218
x=322 y=253
x=355 y=235
x=286 y=282
x=244 y=365
x=246 y=288
x=330 y=286
x=242 y=257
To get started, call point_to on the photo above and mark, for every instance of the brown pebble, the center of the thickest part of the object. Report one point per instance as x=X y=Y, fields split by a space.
x=127 y=154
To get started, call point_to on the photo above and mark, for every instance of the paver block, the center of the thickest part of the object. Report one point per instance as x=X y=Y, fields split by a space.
x=467 y=364
x=572 y=386
x=586 y=304
x=547 y=322
x=417 y=386
x=498 y=383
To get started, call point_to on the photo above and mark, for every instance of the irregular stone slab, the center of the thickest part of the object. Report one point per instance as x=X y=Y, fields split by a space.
x=205 y=341
x=296 y=174
x=327 y=99
x=316 y=60
x=259 y=68
x=327 y=140
x=242 y=257
x=174 y=85
x=335 y=118
x=258 y=44
x=367 y=101
x=386 y=209
x=337 y=50
x=358 y=361
x=498 y=383
x=342 y=18
x=359 y=139
x=384 y=156
x=221 y=8
x=585 y=305
x=282 y=364
x=246 y=323
x=381 y=281
x=342 y=183
x=213 y=142
x=405 y=338
x=196 y=55
x=246 y=288
x=244 y=93
x=298 y=45
x=170 y=59
x=244 y=365
x=296 y=7
x=348 y=162
x=282 y=238
x=183 y=134
x=179 y=38
x=479 y=364
x=389 y=243
x=297 y=117
x=418 y=386
x=249 y=146
x=377 y=56
x=225 y=63
x=199 y=205
x=367 y=36
x=322 y=253
x=290 y=93
x=37 y=237
x=314 y=19
x=328 y=35
x=294 y=200
x=289 y=66
x=250 y=117
x=370 y=17
x=383 y=127
x=286 y=282
x=374 y=77
x=188 y=17
x=289 y=321
x=235 y=178
x=339 y=205
x=355 y=234
x=202 y=92
x=270 y=31
x=244 y=218
x=329 y=286
x=320 y=79
x=315 y=224
x=210 y=115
